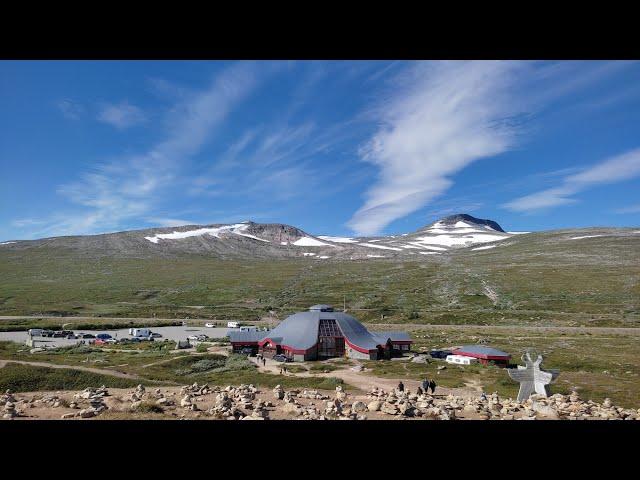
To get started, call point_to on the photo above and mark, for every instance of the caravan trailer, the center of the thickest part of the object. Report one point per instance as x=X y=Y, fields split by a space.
x=460 y=360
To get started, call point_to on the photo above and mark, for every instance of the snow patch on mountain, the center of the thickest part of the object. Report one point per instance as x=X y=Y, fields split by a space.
x=310 y=242
x=585 y=236
x=380 y=246
x=337 y=239
x=486 y=247
x=237 y=228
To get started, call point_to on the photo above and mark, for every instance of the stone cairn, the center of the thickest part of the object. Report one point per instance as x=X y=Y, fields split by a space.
x=8 y=402
x=239 y=403
x=94 y=397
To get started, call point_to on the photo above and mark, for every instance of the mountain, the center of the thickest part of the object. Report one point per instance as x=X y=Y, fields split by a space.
x=446 y=236
x=456 y=270
x=273 y=240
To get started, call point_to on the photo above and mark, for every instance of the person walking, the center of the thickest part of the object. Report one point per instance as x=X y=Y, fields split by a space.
x=419 y=391
x=425 y=385
x=401 y=386
x=264 y=361
x=432 y=386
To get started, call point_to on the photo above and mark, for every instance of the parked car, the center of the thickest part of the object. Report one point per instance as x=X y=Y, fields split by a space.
x=210 y=325
x=98 y=341
x=46 y=333
x=281 y=358
x=110 y=340
x=134 y=339
x=103 y=336
x=87 y=335
x=248 y=351
x=156 y=335
x=35 y=332
x=233 y=324
x=198 y=338
x=440 y=353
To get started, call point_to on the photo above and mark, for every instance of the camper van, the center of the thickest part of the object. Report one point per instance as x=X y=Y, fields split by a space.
x=460 y=360
x=140 y=332
x=35 y=332
x=233 y=324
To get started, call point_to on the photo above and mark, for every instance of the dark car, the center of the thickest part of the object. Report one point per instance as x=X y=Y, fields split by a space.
x=87 y=335
x=248 y=351
x=103 y=336
x=47 y=333
x=440 y=353
x=281 y=358
x=59 y=334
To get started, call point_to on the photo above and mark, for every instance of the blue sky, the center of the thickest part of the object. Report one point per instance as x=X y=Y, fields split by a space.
x=336 y=148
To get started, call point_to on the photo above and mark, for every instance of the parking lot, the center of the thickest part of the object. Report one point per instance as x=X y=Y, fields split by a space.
x=170 y=333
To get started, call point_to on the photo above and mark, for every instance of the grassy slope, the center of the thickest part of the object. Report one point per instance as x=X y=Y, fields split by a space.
x=541 y=279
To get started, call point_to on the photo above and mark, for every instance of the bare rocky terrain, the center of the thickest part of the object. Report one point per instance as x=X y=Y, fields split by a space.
x=246 y=402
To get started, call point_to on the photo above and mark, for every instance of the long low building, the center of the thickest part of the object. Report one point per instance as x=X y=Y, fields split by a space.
x=485 y=355
x=322 y=333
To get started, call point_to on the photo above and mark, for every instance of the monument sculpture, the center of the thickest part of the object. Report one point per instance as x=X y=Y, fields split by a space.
x=532 y=378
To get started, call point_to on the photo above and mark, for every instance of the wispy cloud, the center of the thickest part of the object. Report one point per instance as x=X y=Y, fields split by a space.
x=445 y=116
x=169 y=222
x=70 y=109
x=122 y=115
x=129 y=187
x=630 y=209
x=615 y=169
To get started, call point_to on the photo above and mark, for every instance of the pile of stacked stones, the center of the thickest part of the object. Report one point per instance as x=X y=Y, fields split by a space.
x=162 y=400
x=95 y=396
x=313 y=394
x=235 y=403
x=8 y=402
x=136 y=396
x=493 y=407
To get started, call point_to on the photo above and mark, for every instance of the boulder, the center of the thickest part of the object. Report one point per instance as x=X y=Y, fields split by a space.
x=374 y=406
x=359 y=407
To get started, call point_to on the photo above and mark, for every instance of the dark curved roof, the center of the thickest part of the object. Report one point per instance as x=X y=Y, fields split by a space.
x=481 y=351
x=300 y=331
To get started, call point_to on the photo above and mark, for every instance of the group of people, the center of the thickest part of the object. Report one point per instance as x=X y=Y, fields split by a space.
x=260 y=359
x=426 y=386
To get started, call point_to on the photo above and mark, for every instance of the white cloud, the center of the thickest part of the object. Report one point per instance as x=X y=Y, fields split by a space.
x=629 y=209
x=70 y=109
x=122 y=115
x=612 y=170
x=449 y=115
x=170 y=222
x=130 y=187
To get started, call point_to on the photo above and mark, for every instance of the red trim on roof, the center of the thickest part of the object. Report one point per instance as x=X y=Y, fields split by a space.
x=357 y=348
x=481 y=355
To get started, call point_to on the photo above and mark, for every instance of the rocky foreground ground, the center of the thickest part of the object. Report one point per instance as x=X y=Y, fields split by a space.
x=246 y=402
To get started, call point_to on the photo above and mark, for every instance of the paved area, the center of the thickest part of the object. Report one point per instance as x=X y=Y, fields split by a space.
x=171 y=333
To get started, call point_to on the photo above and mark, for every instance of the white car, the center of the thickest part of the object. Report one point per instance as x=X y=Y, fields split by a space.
x=197 y=338
x=210 y=325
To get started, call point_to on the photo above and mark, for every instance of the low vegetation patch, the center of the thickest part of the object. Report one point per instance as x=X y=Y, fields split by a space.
x=28 y=378
x=148 y=407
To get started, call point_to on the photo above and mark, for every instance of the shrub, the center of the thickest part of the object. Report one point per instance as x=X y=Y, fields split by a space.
x=330 y=383
x=148 y=407
x=202 y=348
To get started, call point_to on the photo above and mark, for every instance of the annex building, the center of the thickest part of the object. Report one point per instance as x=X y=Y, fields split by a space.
x=321 y=333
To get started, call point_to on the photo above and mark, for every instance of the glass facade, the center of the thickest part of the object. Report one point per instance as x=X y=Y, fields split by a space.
x=330 y=339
